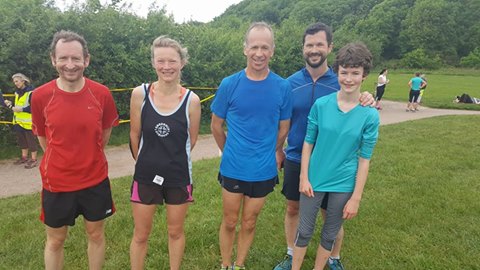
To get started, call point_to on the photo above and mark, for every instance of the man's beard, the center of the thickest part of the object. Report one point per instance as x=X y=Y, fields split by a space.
x=315 y=65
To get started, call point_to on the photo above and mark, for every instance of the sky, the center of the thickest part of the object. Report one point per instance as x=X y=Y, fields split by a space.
x=182 y=10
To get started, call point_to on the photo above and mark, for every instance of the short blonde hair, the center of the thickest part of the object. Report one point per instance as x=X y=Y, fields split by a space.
x=258 y=25
x=22 y=77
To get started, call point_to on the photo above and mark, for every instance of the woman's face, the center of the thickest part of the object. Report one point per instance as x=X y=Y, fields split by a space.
x=19 y=83
x=167 y=64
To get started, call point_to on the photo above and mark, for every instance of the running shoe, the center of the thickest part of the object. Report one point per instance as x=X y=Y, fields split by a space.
x=20 y=161
x=286 y=264
x=335 y=264
x=31 y=163
x=236 y=267
x=225 y=267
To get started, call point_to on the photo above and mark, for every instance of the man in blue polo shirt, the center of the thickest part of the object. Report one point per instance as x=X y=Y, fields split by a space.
x=255 y=104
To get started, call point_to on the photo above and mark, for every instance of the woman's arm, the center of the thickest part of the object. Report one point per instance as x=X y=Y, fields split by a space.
x=351 y=208
x=305 y=186
x=194 y=113
x=136 y=100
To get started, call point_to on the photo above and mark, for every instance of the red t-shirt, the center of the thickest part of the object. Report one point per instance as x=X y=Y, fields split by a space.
x=73 y=125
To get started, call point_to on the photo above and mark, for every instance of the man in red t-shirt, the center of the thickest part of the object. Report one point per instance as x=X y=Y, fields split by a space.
x=73 y=119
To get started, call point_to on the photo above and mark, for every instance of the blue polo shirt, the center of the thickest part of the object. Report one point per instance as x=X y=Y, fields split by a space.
x=252 y=111
x=304 y=93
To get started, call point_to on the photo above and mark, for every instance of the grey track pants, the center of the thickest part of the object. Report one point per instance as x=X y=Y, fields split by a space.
x=309 y=208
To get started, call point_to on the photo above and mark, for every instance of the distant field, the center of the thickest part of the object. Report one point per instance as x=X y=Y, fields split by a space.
x=440 y=92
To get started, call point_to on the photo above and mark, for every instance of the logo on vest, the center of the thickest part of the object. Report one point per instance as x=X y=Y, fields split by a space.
x=162 y=130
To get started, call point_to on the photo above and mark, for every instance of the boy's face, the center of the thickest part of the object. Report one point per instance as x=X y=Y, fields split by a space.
x=350 y=78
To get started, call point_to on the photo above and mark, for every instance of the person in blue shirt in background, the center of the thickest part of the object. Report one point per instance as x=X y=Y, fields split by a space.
x=416 y=84
x=255 y=103
x=313 y=81
x=341 y=135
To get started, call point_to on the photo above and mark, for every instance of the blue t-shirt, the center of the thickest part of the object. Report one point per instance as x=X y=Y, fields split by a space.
x=340 y=139
x=252 y=111
x=416 y=83
x=304 y=93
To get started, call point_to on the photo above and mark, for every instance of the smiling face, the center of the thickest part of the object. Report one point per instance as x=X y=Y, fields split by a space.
x=259 y=49
x=167 y=63
x=350 y=79
x=19 y=83
x=316 y=49
x=69 y=60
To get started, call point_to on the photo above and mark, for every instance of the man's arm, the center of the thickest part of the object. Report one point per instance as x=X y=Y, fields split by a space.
x=106 y=136
x=283 y=129
x=43 y=142
x=217 y=131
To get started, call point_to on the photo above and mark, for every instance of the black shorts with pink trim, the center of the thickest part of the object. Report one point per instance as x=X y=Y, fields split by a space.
x=156 y=194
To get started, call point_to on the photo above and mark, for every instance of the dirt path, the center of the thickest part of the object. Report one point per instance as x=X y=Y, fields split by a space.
x=15 y=180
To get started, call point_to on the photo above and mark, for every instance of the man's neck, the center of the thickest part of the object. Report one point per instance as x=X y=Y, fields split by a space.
x=71 y=87
x=318 y=72
x=257 y=75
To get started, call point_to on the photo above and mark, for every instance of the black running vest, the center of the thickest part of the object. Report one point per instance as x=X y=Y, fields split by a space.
x=164 y=150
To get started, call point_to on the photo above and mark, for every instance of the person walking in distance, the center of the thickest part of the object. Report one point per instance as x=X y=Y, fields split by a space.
x=382 y=82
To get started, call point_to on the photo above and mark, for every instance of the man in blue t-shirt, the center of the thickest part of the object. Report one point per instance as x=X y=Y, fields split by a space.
x=256 y=106
x=313 y=81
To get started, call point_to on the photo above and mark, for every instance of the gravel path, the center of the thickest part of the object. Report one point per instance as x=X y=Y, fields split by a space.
x=15 y=180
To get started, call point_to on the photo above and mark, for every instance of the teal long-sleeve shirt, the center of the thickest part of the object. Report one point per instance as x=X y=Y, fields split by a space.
x=339 y=140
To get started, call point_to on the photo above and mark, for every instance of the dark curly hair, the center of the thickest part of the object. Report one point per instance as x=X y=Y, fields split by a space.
x=354 y=55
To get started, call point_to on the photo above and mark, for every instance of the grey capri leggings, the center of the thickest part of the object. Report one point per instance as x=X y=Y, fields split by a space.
x=309 y=208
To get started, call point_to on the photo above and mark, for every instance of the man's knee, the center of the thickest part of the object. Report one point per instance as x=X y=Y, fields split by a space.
x=248 y=224
x=230 y=222
x=55 y=243
x=95 y=234
x=292 y=208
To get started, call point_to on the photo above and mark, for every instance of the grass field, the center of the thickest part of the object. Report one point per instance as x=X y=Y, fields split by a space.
x=441 y=89
x=420 y=210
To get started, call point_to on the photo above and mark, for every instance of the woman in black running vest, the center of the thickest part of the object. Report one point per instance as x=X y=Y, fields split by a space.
x=164 y=124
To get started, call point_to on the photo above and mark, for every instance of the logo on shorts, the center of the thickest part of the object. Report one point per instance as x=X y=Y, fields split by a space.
x=236 y=187
x=108 y=211
x=162 y=130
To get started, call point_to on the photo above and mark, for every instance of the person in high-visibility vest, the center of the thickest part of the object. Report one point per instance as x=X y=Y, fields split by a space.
x=22 y=120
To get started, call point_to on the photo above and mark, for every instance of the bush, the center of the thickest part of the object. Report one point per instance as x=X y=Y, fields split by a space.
x=472 y=60
x=419 y=59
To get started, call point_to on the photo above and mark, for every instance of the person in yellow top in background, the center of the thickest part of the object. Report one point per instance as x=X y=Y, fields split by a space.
x=22 y=120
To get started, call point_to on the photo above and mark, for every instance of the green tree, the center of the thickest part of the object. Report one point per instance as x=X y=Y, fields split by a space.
x=430 y=25
x=472 y=60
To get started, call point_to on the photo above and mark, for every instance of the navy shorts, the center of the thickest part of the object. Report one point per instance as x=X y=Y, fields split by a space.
x=62 y=208
x=258 y=189
x=291 y=183
x=156 y=194
x=413 y=96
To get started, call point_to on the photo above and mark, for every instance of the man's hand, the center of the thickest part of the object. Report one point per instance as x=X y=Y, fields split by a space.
x=280 y=158
x=366 y=99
